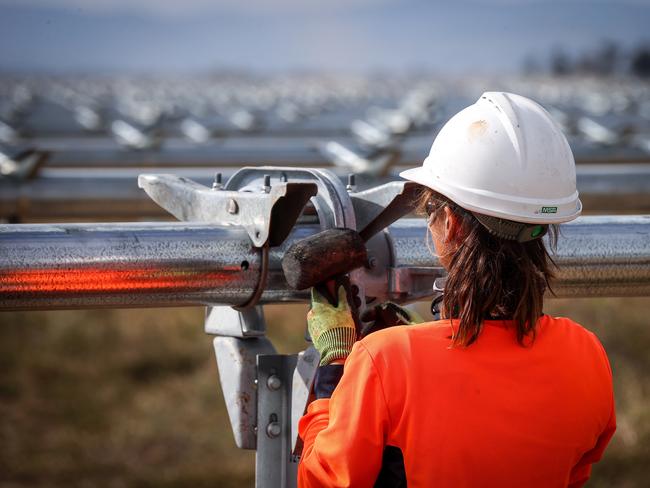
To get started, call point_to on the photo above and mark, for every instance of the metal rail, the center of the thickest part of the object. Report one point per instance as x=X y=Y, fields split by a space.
x=596 y=255
x=273 y=149
x=113 y=194
x=179 y=264
x=137 y=265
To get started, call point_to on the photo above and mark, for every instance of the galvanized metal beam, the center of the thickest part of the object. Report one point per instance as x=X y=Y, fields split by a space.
x=596 y=255
x=179 y=264
x=138 y=265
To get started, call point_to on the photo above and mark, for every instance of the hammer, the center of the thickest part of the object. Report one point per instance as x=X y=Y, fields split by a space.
x=322 y=260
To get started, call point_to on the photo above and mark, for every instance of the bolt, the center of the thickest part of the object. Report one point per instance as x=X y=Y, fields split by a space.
x=309 y=358
x=217 y=185
x=273 y=382
x=352 y=183
x=273 y=430
x=233 y=208
x=283 y=178
x=372 y=262
x=267 y=183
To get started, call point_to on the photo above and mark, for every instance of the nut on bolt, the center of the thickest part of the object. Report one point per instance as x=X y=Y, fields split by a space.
x=274 y=382
x=267 y=183
x=217 y=185
x=273 y=430
x=352 y=183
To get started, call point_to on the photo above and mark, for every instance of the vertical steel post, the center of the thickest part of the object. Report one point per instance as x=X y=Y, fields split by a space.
x=275 y=465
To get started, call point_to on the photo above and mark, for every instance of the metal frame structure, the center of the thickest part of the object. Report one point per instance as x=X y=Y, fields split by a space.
x=225 y=254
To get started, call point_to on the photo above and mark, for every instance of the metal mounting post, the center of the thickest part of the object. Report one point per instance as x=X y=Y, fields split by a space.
x=275 y=465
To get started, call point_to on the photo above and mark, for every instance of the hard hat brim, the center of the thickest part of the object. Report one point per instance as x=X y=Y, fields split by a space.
x=422 y=176
x=418 y=175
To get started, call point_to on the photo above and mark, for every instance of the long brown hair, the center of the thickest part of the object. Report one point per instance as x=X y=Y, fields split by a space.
x=490 y=277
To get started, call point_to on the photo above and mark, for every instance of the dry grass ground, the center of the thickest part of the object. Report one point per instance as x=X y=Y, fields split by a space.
x=131 y=397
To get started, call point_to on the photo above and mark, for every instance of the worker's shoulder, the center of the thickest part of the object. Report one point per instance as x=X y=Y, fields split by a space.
x=566 y=327
x=569 y=333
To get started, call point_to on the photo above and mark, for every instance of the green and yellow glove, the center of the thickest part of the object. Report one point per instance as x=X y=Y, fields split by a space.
x=331 y=328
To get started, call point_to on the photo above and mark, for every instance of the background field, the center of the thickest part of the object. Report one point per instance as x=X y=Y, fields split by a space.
x=131 y=397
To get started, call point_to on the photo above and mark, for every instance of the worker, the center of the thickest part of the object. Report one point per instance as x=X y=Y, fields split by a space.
x=495 y=393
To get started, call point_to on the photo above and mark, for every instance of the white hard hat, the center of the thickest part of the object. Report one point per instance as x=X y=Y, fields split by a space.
x=503 y=157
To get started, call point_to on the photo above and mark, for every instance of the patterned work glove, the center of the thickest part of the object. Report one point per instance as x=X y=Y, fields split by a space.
x=331 y=328
x=389 y=314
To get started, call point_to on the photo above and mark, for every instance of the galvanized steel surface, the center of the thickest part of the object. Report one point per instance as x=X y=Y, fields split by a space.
x=597 y=256
x=124 y=265
x=604 y=256
x=152 y=265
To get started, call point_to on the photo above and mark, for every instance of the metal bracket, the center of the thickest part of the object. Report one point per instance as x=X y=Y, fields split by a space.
x=331 y=201
x=226 y=321
x=381 y=258
x=378 y=207
x=236 y=359
x=267 y=214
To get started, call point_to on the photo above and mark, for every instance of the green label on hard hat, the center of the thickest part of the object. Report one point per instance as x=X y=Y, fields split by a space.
x=549 y=209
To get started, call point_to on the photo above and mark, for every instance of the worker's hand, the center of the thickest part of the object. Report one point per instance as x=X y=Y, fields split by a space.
x=331 y=328
x=388 y=314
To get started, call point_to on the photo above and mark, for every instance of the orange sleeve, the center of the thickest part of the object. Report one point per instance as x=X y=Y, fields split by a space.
x=582 y=470
x=344 y=436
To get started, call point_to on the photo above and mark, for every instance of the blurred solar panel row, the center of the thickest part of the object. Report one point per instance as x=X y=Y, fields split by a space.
x=86 y=130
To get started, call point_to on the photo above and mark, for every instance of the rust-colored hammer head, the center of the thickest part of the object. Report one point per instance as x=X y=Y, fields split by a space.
x=318 y=258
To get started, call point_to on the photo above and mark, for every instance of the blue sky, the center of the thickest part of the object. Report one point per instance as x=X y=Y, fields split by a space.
x=181 y=36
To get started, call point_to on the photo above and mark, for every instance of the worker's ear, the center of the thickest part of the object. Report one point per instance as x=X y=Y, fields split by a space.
x=453 y=226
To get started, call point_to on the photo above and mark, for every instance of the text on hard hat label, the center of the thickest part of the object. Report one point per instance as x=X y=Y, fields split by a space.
x=548 y=210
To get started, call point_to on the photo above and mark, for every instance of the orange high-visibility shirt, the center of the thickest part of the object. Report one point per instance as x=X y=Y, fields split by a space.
x=494 y=413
